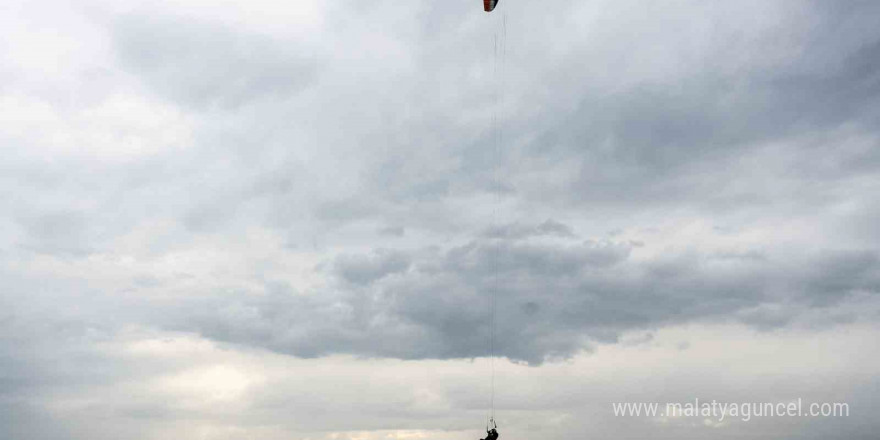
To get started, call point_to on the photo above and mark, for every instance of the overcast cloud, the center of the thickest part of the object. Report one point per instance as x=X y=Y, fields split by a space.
x=277 y=220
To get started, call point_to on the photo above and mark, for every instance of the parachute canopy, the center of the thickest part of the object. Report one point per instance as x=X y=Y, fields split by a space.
x=489 y=5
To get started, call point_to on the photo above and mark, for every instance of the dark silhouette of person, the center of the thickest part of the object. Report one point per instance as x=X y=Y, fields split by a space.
x=492 y=434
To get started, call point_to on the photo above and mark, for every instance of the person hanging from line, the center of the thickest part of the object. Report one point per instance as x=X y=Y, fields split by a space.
x=491 y=434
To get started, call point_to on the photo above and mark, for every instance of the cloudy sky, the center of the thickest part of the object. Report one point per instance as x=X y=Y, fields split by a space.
x=286 y=220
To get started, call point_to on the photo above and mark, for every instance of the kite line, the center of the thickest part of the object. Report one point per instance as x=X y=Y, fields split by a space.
x=498 y=141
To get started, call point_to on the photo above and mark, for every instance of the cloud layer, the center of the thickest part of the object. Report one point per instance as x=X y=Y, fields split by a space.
x=361 y=185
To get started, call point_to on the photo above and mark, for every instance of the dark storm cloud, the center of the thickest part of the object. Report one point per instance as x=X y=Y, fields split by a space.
x=554 y=300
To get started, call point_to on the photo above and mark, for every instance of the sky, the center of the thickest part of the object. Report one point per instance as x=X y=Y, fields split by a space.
x=291 y=220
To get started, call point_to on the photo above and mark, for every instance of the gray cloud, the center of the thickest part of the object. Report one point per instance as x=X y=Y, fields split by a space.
x=840 y=275
x=57 y=233
x=549 y=227
x=554 y=300
x=687 y=141
x=342 y=191
x=364 y=269
x=203 y=65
